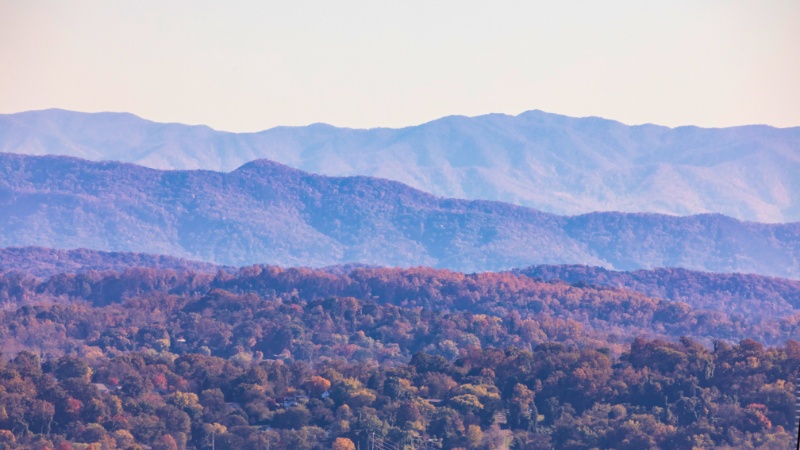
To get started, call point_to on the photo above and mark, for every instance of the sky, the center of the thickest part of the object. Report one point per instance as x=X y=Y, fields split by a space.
x=247 y=66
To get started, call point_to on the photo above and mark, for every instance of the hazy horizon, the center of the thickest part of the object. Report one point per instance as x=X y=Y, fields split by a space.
x=244 y=66
x=399 y=127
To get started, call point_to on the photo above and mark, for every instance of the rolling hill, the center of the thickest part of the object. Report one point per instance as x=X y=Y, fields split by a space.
x=265 y=212
x=756 y=297
x=549 y=162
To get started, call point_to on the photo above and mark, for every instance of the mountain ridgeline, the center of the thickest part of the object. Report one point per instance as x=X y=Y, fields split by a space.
x=576 y=314
x=756 y=297
x=752 y=296
x=46 y=262
x=265 y=212
x=553 y=163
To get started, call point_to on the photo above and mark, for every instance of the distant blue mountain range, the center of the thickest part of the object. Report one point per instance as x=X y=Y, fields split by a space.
x=553 y=163
x=265 y=212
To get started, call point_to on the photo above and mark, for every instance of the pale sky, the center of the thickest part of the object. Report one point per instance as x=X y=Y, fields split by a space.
x=248 y=66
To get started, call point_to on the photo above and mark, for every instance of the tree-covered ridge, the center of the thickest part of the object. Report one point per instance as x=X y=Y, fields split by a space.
x=246 y=327
x=754 y=296
x=179 y=296
x=267 y=212
x=655 y=395
x=46 y=262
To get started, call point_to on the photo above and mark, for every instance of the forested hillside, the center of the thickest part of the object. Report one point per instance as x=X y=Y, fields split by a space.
x=259 y=361
x=754 y=296
x=268 y=213
x=612 y=314
x=751 y=295
x=657 y=395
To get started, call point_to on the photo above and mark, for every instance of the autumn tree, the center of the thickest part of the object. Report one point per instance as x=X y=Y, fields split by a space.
x=343 y=444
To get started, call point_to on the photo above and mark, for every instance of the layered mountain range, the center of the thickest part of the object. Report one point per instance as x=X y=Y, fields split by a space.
x=163 y=288
x=265 y=212
x=549 y=162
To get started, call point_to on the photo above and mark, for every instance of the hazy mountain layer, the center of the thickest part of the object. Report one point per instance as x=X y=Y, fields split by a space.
x=265 y=212
x=46 y=262
x=549 y=162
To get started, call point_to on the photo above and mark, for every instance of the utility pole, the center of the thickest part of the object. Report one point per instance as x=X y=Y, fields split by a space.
x=797 y=408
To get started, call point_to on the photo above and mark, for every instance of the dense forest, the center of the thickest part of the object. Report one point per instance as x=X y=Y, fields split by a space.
x=655 y=394
x=756 y=296
x=271 y=358
x=600 y=309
